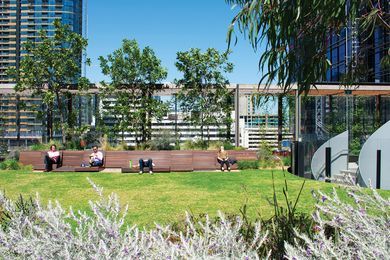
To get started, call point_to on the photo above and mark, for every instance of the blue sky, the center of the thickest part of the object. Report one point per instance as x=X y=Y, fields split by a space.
x=167 y=27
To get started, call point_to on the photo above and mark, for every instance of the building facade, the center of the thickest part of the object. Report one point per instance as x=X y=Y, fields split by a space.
x=354 y=49
x=253 y=127
x=350 y=109
x=22 y=20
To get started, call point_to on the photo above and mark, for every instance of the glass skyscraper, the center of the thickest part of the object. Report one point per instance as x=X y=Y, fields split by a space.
x=21 y=21
x=354 y=49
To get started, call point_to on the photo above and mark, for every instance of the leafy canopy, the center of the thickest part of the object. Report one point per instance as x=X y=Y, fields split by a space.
x=136 y=75
x=203 y=93
x=294 y=34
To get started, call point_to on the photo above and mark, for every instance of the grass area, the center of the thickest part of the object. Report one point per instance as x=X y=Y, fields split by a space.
x=163 y=198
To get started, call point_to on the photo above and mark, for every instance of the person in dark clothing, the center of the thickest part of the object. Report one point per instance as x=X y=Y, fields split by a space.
x=145 y=163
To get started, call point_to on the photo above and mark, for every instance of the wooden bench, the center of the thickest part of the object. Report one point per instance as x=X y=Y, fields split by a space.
x=36 y=159
x=165 y=161
x=72 y=161
x=207 y=160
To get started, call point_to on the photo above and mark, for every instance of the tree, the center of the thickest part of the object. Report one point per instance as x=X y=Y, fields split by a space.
x=135 y=76
x=203 y=93
x=296 y=33
x=50 y=69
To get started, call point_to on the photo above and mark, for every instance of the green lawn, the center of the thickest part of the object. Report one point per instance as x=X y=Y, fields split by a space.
x=163 y=198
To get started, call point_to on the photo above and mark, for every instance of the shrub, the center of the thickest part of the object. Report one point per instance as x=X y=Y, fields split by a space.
x=215 y=145
x=13 y=155
x=272 y=162
x=163 y=141
x=45 y=233
x=10 y=165
x=105 y=145
x=45 y=147
x=73 y=145
x=38 y=147
x=264 y=153
x=286 y=160
x=360 y=228
x=195 y=145
x=248 y=164
x=279 y=228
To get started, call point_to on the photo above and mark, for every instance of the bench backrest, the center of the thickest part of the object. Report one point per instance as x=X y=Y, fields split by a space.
x=31 y=157
x=35 y=158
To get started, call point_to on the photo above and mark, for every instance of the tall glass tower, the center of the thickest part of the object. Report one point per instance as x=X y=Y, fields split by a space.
x=21 y=20
x=353 y=47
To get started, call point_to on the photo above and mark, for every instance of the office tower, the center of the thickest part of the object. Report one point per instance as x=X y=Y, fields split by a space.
x=21 y=21
x=354 y=49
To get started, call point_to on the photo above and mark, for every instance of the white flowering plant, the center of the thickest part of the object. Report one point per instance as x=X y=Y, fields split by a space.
x=50 y=232
x=354 y=228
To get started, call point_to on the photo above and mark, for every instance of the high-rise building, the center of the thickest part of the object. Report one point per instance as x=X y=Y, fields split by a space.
x=354 y=49
x=21 y=21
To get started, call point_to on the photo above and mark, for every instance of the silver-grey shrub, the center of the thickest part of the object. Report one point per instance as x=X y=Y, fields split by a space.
x=47 y=233
x=354 y=228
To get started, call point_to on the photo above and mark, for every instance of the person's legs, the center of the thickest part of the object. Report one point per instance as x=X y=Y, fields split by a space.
x=150 y=165
x=227 y=164
x=141 y=165
x=221 y=163
x=48 y=163
x=97 y=162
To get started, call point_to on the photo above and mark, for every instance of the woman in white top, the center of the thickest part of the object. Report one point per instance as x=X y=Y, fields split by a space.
x=52 y=157
x=96 y=157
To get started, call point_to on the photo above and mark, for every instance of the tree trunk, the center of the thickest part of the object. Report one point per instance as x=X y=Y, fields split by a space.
x=280 y=121
x=62 y=117
x=17 y=120
x=149 y=119
x=228 y=130
x=49 y=126
x=143 y=120
x=201 y=126
x=70 y=116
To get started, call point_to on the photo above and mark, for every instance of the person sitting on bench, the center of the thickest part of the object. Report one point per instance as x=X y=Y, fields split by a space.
x=96 y=157
x=145 y=163
x=52 y=157
x=223 y=158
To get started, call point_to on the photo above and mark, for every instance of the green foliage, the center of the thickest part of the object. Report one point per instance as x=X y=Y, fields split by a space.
x=247 y=164
x=271 y=163
x=194 y=145
x=45 y=147
x=163 y=141
x=286 y=221
x=280 y=227
x=3 y=144
x=23 y=206
x=265 y=152
x=50 y=69
x=215 y=145
x=135 y=76
x=10 y=165
x=203 y=96
x=105 y=145
x=286 y=160
x=294 y=36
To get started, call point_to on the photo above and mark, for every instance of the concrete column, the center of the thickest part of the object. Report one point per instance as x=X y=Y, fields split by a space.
x=297 y=116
